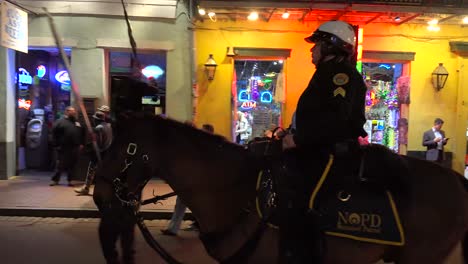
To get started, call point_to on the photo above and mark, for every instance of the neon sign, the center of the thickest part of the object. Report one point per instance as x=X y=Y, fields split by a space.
x=65 y=87
x=152 y=71
x=41 y=71
x=26 y=104
x=249 y=104
x=62 y=77
x=266 y=97
x=24 y=77
x=243 y=96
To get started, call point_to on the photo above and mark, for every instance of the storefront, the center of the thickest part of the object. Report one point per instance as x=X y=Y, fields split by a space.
x=43 y=92
x=88 y=45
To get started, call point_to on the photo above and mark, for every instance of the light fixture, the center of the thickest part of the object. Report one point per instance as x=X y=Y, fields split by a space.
x=465 y=20
x=253 y=16
x=210 y=67
x=230 y=52
x=439 y=76
x=433 y=21
x=285 y=15
x=433 y=25
x=201 y=11
x=212 y=16
x=397 y=19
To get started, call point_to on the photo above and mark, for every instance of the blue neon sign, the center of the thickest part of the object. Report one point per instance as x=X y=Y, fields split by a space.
x=266 y=97
x=152 y=71
x=24 y=77
x=243 y=96
x=62 y=77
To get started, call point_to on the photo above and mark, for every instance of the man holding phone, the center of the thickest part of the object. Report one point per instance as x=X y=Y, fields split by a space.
x=434 y=139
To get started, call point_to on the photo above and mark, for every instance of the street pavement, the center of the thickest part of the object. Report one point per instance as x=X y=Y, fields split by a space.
x=38 y=240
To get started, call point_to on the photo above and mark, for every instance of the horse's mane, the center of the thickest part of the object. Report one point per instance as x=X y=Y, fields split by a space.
x=165 y=125
x=197 y=135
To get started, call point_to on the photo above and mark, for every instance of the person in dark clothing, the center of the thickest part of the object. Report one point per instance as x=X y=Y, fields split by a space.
x=434 y=140
x=103 y=133
x=329 y=119
x=68 y=137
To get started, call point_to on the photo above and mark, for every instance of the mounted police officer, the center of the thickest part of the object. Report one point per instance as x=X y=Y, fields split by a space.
x=329 y=119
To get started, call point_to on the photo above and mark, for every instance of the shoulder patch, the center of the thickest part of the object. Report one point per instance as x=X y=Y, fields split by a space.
x=339 y=91
x=340 y=79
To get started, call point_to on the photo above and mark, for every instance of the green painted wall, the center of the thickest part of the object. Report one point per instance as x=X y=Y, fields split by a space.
x=91 y=36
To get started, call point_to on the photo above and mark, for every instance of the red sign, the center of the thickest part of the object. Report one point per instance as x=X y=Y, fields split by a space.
x=26 y=104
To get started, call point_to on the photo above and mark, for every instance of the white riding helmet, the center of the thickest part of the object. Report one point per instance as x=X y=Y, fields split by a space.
x=336 y=33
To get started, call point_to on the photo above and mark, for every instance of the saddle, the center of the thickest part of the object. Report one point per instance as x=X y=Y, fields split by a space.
x=353 y=191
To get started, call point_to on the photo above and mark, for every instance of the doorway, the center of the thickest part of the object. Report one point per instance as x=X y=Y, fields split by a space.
x=387 y=102
x=258 y=96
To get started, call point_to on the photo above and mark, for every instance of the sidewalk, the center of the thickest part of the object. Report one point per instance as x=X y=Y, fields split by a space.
x=31 y=195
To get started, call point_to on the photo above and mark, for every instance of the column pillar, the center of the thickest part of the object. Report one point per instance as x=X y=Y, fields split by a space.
x=7 y=114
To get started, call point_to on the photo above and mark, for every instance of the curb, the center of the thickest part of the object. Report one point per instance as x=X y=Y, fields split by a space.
x=80 y=213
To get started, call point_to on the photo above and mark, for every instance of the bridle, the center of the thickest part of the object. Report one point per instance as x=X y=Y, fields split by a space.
x=132 y=200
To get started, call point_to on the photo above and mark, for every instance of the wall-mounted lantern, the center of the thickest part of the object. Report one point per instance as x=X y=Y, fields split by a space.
x=210 y=67
x=439 y=76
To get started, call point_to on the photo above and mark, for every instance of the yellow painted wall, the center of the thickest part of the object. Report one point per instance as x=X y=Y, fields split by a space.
x=214 y=104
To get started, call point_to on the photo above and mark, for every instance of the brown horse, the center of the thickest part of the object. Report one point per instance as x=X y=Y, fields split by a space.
x=216 y=179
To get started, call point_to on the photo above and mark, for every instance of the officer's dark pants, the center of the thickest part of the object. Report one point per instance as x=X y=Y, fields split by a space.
x=67 y=158
x=117 y=222
x=301 y=239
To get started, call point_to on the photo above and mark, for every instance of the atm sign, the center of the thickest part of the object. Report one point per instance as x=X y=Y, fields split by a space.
x=249 y=104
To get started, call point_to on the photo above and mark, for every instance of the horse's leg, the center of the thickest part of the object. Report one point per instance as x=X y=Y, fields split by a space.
x=127 y=238
x=108 y=234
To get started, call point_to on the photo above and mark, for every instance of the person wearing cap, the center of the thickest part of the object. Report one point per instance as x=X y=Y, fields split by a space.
x=103 y=136
x=329 y=118
x=106 y=110
x=434 y=140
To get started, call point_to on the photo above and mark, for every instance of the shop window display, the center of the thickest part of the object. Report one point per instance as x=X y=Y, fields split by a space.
x=258 y=95
x=385 y=94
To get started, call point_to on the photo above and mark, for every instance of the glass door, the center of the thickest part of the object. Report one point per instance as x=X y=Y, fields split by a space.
x=258 y=92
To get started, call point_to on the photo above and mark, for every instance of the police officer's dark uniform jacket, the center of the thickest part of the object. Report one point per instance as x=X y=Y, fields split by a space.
x=331 y=109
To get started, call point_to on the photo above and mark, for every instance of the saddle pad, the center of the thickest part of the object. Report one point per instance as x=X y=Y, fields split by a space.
x=363 y=215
